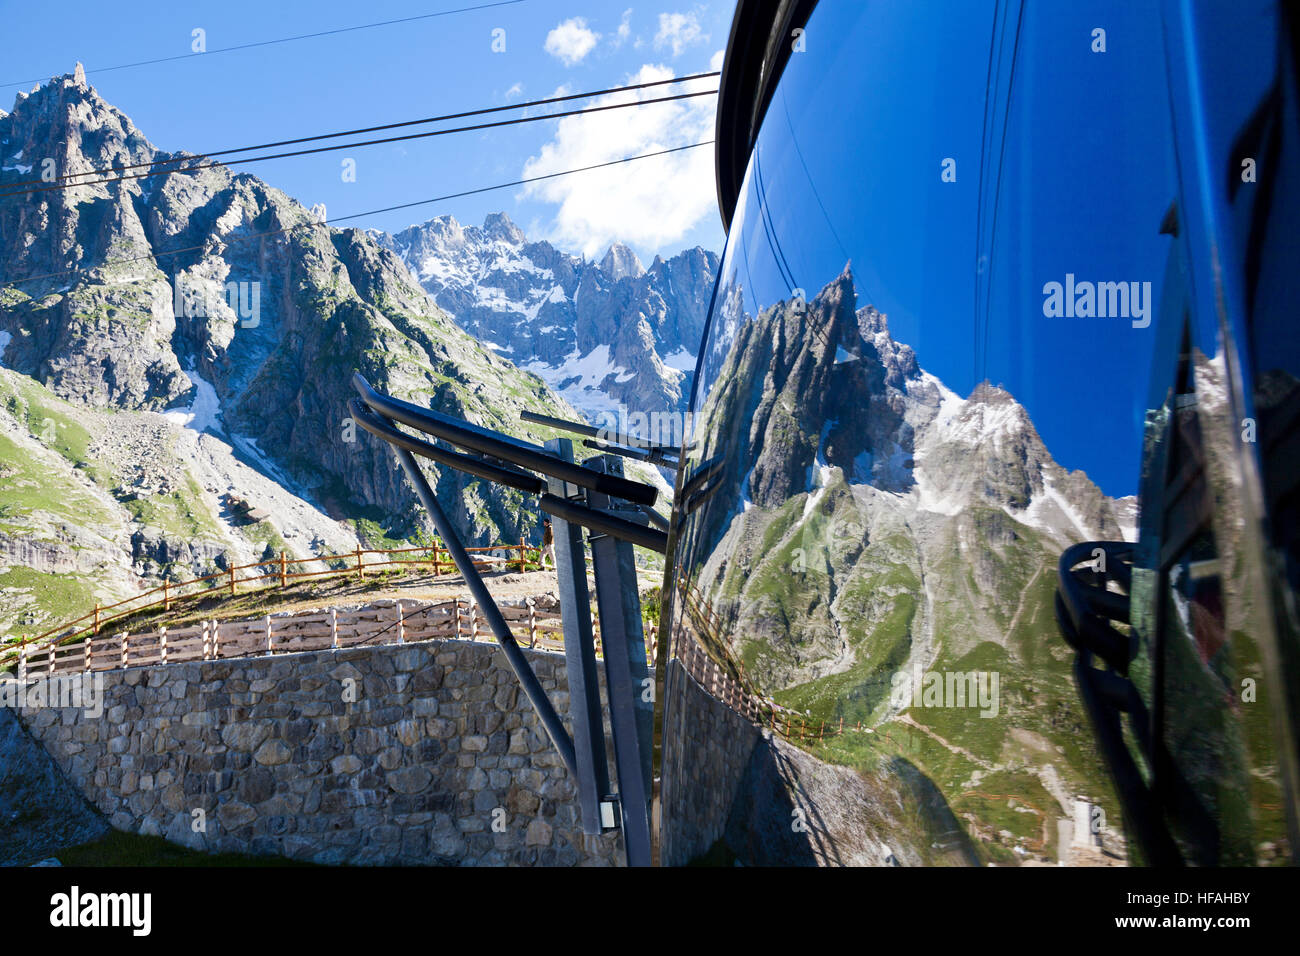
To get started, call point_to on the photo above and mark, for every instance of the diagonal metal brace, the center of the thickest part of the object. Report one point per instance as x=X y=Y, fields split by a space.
x=532 y=687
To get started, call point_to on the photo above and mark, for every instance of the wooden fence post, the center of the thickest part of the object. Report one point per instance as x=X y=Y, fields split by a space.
x=268 y=634
x=162 y=645
x=207 y=646
x=96 y=631
x=283 y=578
x=216 y=640
x=232 y=580
x=360 y=573
x=89 y=651
x=334 y=628
x=126 y=653
x=436 y=559
x=523 y=556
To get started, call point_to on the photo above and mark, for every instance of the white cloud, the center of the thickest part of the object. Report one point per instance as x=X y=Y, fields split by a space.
x=649 y=203
x=678 y=31
x=624 y=29
x=514 y=91
x=571 y=41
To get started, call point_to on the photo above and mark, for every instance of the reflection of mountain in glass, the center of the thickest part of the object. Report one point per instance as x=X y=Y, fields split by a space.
x=879 y=523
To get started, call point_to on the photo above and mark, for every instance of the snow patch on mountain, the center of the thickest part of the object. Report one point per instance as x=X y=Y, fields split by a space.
x=950 y=403
x=682 y=360
x=203 y=413
x=581 y=379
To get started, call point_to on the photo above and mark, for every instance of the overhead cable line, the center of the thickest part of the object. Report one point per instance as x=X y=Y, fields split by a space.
x=243 y=237
x=261 y=43
x=997 y=191
x=373 y=142
x=368 y=129
x=979 y=198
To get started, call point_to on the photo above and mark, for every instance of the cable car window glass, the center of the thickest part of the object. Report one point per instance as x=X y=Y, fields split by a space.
x=925 y=375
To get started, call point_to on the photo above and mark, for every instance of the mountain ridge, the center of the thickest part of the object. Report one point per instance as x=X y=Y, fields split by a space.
x=605 y=335
x=192 y=335
x=882 y=523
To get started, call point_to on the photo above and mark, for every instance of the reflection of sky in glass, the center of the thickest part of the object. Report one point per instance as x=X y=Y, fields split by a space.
x=1084 y=181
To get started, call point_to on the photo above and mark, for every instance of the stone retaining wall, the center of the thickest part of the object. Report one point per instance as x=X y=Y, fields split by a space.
x=412 y=754
x=707 y=749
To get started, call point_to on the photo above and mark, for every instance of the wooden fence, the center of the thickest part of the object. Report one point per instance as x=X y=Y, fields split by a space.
x=277 y=570
x=740 y=695
x=790 y=724
x=400 y=621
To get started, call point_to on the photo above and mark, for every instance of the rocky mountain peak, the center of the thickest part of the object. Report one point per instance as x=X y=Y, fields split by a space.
x=498 y=225
x=243 y=343
x=604 y=334
x=897 y=360
x=445 y=226
x=885 y=422
x=68 y=122
x=620 y=262
x=986 y=393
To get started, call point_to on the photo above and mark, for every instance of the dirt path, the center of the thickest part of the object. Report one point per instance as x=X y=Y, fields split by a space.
x=953 y=748
x=1020 y=606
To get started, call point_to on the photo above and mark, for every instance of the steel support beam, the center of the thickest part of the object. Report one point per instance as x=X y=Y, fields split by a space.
x=592 y=774
x=627 y=675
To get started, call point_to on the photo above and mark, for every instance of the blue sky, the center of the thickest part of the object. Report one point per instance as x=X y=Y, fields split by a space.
x=1087 y=171
x=1087 y=175
x=410 y=70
